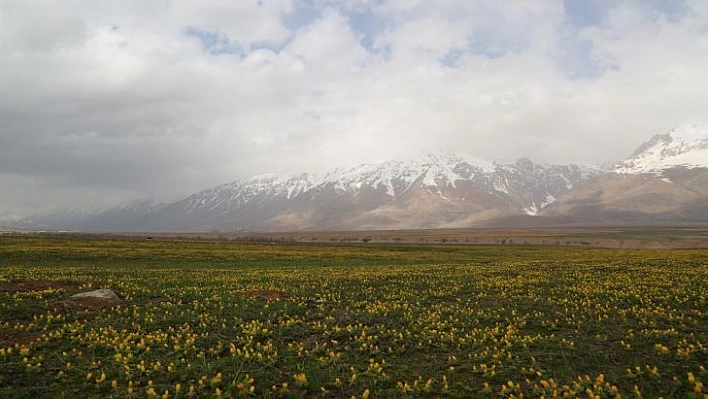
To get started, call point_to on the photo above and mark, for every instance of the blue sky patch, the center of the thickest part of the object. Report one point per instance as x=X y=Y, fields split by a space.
x=582 y=13
x=302 y=15
x=215 y=43
x=367 y=25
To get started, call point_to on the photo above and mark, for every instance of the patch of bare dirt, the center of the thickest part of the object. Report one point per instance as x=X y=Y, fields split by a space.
x=37 y=285
x=505 y=274
x=447 y=299
x=266 y=294
x=20 y=337
x=92 y=303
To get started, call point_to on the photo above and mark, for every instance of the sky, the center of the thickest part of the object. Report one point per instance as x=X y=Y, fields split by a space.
x=103 y=102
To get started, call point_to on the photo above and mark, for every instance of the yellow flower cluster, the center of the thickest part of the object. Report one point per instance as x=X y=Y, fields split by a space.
x=263 y=321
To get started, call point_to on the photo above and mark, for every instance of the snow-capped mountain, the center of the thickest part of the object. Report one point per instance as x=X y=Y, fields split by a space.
x=666 y=179
x=121 y=218
x=431 y=170
x=7 y=218
x=685 y=146
x=240 y=193
x=435 y=189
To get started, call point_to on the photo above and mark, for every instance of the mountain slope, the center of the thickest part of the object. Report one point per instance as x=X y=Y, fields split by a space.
x=429 y=191
x=121 y=218
x=683 y=147
x=664 y=180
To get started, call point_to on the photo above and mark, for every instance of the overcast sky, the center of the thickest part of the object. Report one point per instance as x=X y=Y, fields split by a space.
x=106 y=101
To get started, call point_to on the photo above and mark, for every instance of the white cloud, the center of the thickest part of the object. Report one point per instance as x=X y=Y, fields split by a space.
x=328 y=45
x=126 y=98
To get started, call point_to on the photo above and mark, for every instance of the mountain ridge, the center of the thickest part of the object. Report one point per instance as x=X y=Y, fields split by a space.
x=665 y=179
x=685 y=146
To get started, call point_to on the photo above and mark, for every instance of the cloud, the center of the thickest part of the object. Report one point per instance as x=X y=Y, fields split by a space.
x=103 y=102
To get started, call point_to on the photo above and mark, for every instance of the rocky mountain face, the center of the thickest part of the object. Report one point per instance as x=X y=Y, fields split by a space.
x=433 y=190
x=122 y=218
x=665 y=180
x=684 y=147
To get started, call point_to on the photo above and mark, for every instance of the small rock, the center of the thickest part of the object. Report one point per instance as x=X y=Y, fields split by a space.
x=104 y=293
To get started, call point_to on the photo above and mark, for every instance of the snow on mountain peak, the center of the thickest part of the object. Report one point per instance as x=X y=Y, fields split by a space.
x=690 y=133
x=451 y=160
x=448 y=176
x=429 y=168
x=266 y=179
x=685 y=146
x=297 y=185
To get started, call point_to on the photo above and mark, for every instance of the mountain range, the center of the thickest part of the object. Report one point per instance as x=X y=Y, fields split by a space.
x=664 y=181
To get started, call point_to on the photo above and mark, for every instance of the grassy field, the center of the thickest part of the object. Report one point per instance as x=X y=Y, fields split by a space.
x=210 y=319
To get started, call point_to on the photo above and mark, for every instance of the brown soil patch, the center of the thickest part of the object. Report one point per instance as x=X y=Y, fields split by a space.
x=267 y=294
x=93 y=303
x=20 y=338
x=37 y=285
x=87 y=302
x=447 y=299
x=504 y=274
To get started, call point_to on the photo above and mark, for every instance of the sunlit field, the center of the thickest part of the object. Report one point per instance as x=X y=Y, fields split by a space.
x=217 y=319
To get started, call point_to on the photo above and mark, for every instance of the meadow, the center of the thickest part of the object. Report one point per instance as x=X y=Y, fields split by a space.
x=220 y=319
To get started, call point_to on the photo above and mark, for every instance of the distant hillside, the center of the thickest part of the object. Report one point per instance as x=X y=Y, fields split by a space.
x=665 y=180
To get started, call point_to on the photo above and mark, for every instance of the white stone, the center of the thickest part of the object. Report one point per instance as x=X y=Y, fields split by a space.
x=105 y=294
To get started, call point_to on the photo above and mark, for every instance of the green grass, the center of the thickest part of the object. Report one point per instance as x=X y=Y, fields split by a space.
x=334 y=320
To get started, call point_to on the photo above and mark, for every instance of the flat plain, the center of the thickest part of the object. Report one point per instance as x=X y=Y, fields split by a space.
x=203 y=318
